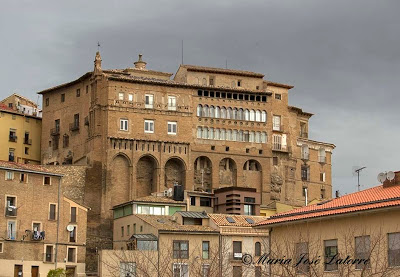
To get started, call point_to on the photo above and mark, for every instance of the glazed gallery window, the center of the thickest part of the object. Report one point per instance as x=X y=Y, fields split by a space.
x=172 y=128
x=172 y=103
x=149 y=126
x=149 y=100
x=123 y=124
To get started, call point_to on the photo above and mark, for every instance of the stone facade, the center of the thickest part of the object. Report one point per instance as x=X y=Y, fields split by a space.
x=140 y=132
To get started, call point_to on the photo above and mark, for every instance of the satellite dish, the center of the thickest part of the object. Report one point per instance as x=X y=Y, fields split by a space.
x=390 y=175
x=381 y=177
x=70 y=228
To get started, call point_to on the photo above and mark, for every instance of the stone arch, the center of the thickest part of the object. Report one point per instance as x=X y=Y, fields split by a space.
x=227 y=172
x=252 y=174
x=203 y=173
x=174 y=172
x=146 y=175
x=120 y=179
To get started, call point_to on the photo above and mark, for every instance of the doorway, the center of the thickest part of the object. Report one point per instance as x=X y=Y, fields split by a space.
x=35 y=271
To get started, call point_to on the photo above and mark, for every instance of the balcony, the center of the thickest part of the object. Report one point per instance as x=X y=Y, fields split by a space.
x=11 y=211
x=48 y=257
x=281 y=148
x=12 y=138
x=74 y=126
x=55 y=131
x=279 y=128
x=37 y=235
x=28 y=141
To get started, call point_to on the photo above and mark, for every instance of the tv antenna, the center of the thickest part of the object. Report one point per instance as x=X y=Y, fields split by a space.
x=356 y=170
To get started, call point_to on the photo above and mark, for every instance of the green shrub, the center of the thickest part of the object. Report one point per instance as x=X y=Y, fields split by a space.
x=59 y=272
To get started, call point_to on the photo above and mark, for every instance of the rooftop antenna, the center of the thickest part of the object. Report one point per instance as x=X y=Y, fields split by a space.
x=356 y=170
x=182 y=51
x=98 y=46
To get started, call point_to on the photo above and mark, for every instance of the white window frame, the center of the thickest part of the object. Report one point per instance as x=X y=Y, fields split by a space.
x=15 y=231
x=127 y=267
x=123 y=124
x=205 y=270
x=150 y=123
x=276 y=123
x=121 y=96
x=130 y=97
x=9 y=175
x=52 y=253
x=323 y=177
x=44 y=178
x=148 y=101
x=171 y=103
x=179 y=267
x=172 y=124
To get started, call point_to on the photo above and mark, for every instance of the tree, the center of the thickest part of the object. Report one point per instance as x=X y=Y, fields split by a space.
x=59 y=272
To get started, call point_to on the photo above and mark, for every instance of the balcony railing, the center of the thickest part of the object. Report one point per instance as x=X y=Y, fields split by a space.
x=279 y=128
x=11 y=211
x=12 y=138
x=37 y=235
x=55 y=131
x=28 y=141
x=48 y=257
x=74 y=126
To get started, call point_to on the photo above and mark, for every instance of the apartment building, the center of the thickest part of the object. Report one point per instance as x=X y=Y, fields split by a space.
x=21 y=104
x=337 y=236
x=142 y=131
x=20 y=136
x=41 y=228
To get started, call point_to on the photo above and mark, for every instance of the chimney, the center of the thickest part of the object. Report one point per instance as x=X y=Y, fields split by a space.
x=394 y=182
x=140 y=64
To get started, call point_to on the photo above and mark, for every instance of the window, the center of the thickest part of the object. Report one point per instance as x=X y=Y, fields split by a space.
x=205 y=270
x=122 y=231
x=121 y=96
x=72 y=235
x=257 y=271
x=302 y=253
x=130 y=97
x=127 y=269
x=48 y=256
x=63 y=97
x=303 y=130
x=11 y=230
x=36 y=226
x=321 y=155
x=87 y=89
x=11 y=206
x=206 y=250
x=331 y=250
x=305 y=173
x=172 y=128
x=276 y=123
x=305 y=152
x=239 y=83
x=248 y=209
x=128 y=230
x=149 y=126
x=71 y=254
x=65 y=141
x=192 y=201
x=47 y=180
x=180 y=270
x=9 y=175
x=181 y=249
x=394 y=249
x=362 y=250
x=237 y=250
x=277 y=142
x=26 y=151
x=278 y=96
x=237 y=271
x=52 y=211
x=322 y=177
x=274 y=160
x=123 y=124
x=211 y=81
x=47 y=102
x=205 y=202
x=23 y=177
x=148 y=102
x=1 y=248
x=172 y=103
x=257 y=249
x=76 y=121
x=199 y=110
x=11 y=155
x=13 y=135
x=78 y=92
x=73 y=214
x=263 y=116
x=10 y=105
x=57 y=126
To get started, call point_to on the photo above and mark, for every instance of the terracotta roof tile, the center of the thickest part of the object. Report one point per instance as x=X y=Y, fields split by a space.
x=222 y=70
x=373 y=198
x=27 y=167
x=240 y=220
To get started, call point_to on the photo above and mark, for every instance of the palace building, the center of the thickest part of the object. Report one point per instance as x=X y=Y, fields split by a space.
x=140 y=131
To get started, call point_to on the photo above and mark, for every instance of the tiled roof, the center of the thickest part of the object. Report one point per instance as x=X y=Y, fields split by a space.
x=373 y=198
x=240 y=220
x=28 y=167
x=152 y=199
x=166 y=223
x=193 y=214
x=222 y=70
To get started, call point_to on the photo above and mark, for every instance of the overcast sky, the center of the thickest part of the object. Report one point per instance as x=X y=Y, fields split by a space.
x=342 y=57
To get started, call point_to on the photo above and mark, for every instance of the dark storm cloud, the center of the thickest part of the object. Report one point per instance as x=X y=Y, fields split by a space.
x=342 y=56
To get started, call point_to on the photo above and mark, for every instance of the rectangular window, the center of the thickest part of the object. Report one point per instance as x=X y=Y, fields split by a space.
x=11 y=155
x=123 y=124
x=73 y=214
x=172 y=128
x=192 y=201
x=181 y=249
x=362 y=250
x=76 y=122
x=276 y=123
x=49 y=256
x=237 y=271
x=305 y=173
x=172 y=103
x=331 y=255
x=26 y=151
x=205 y=270
x=71 y=255
x=78 y=92
x=394 y=249
x=205 y=202
x=237 y=250
x=72 y=235
x=11 y=206
x=128 y=230
x=322 y=177
x=277 y=142
x=130 y=97
x=278 y=96
x=121 y=96
x=63 y=97
x=149 y=126
x=87 y=89
x=302 y=253
x=11 y=230
x=9 y=175
x=1 y=248
x=46 y=180
x=275 y=160
x=23 y=177
x=148 y=102
x=127 y=269
x=65 y=141
x=52 y=211
x=249 y=209
x=122 y=231
x=47 y=102
x=206 y=250
x=180 y=270
x=13 y=135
